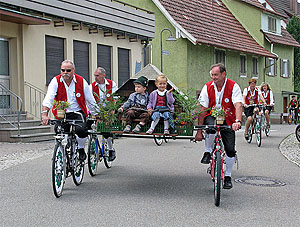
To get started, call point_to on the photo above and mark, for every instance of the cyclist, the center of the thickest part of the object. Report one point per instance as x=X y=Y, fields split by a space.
x=220 y=91
x=102 y=89
x=251 y=95
x=74 y=89
x=293 y=105
x=269 y=98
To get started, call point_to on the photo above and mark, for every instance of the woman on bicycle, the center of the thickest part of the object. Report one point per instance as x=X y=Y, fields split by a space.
x=251 y=95
x=269 y=98
x=293 y=105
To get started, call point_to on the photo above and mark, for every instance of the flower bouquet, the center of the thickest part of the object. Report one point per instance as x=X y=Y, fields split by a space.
x=219 y=113
x=61 y=107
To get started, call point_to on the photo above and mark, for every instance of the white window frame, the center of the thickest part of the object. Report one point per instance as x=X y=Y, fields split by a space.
x=243 y=74
x=285 y=69
x=271 y=69
x=272 y=27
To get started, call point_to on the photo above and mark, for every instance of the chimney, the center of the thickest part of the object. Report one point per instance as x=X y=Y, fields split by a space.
x=294 y=6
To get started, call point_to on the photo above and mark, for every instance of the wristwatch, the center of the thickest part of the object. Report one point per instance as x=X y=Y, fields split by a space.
x=236 y=121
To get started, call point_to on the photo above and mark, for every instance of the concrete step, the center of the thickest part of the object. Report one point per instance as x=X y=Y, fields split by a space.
x=23 y=123
x=38 y=137
x=25 y=130
x=13 y=117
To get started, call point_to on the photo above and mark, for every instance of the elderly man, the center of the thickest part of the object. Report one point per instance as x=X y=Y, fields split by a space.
x=102 y=89
x=221 y=92
x=74 y=89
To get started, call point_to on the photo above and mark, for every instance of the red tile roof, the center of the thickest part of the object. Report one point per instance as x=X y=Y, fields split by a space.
x=283 y=6
x=211 y=23
x=285 y=38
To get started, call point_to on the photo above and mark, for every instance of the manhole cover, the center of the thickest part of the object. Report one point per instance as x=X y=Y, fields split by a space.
x=260 y=181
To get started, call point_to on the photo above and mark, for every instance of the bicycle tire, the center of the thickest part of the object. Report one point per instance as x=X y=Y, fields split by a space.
x=93 y=155
x=250 y=132
x=290 y=119
x=105 y=154
x=77 y=167
x=166 y=139
x=297 y=132
x=217 y=178
x=158 y=140
x=58 y=169
x=258 y=131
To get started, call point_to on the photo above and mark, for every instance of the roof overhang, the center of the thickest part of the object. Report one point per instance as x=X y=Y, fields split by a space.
x=290 y=93
x=21 y=18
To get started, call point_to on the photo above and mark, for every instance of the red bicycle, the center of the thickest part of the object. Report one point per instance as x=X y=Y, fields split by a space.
x=216 y=164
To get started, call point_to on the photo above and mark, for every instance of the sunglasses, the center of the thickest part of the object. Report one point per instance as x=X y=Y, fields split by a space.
x=66 y=70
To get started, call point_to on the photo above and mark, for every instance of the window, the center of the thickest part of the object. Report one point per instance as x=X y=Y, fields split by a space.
x=54 y=56
x=220 y=56
x=254 y=67
x=148 y=54
x=81 y=59
x=123 y=66
x=271 y=66
x=271 y=24
x=4 y=73
x=243 y=66
x=104 y=59
x=285 y=67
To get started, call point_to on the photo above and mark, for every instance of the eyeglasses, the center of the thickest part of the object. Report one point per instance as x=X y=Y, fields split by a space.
x=66 y=70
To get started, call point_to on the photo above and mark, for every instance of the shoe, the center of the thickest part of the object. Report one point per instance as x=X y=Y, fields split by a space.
x=206 y=158
x=268 y=125
x=127 y=128
x=150 y=131
x=227 y=182
x=82 y=154
x=166 y=132
x=246 y=136
x=112 y=155
x=137 y=128
x=173 y=131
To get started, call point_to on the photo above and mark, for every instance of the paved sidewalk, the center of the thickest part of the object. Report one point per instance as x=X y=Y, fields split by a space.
x=290 y=148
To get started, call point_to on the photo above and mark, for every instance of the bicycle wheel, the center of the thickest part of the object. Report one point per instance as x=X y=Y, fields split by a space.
x=290 y=118
x=166 y=139
x=58 y=169
x=297 y=132
x=250 y=132
x=217 y=178
x=78 y=167
x=258 y=131
x=158 y=140
x=93 y=155
x=105 y=153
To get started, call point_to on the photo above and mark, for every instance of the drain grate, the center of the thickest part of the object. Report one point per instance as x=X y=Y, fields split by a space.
x=260 y=181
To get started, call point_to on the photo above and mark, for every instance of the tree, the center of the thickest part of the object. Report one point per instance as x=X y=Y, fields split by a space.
x=293 y=27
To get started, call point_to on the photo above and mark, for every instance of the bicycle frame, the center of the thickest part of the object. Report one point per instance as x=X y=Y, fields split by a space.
x=218 y=147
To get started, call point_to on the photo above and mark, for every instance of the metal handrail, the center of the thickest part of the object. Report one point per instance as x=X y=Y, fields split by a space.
x=34 y=99
x=10 y=104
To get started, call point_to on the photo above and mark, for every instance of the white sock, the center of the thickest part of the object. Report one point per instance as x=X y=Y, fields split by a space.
x=154 y=123
x=81 y=142
x=229 y=165
x=166 y=125
x=209 y=142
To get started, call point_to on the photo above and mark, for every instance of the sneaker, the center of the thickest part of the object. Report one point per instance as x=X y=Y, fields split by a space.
x=206 y=158
x=227 y=182
x=137 y=128
x=246 y=136
x=150 y=131
x=112 y=155
x=127 y=128
x=166 y=132
x=82 y=155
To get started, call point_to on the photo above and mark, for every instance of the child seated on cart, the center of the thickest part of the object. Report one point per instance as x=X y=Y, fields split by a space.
x=137 y=105
x=161 y=104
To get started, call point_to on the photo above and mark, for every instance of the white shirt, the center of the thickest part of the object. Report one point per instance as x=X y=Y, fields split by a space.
x=236 y=94
x=266 y=95
x=245 y=92
x=102 y=88
x=71 y=96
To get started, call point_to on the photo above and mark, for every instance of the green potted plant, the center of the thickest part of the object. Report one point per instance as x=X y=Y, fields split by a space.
x=60 y=107
x=219 y=113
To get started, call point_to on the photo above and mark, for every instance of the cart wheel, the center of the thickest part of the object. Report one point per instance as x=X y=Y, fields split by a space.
x=158 y=140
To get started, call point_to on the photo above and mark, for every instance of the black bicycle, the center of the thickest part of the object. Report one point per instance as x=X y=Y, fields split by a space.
x=65 y=160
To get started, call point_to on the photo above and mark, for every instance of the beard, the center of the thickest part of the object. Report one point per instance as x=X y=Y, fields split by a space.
x=66 y=76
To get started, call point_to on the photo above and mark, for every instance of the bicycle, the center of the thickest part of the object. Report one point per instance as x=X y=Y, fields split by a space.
x=97 y=151
x=292 y=116
x=264 y=126
x=256 y=126
x=65 y=160
x=215 y=168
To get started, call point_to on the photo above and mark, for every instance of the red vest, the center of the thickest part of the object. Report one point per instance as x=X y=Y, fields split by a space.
x=226 y=101
x=268 y=99
x=61 y=94
x=96 y=89
x=254 y=97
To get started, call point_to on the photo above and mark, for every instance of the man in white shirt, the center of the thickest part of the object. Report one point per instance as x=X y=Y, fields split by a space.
x=220 y=92
x=74 y=89
x=102 y=89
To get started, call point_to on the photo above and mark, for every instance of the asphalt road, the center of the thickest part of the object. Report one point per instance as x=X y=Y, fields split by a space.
x=152 y=186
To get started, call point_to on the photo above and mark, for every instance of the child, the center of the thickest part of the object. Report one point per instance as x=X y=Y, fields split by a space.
x=137 y=105
x=161 y=104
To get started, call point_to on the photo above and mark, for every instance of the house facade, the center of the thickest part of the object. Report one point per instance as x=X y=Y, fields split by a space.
x=36 y=36
x=208 y=32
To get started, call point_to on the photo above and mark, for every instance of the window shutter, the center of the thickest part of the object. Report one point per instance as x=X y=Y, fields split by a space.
x=281 y=67
x=289 y=67
x=123 y=66
x=54 y=56
x=275 y=67
x=81 y=59
x=104 y=59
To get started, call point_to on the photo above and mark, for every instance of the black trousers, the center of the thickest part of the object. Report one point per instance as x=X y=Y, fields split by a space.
x=228 y=136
